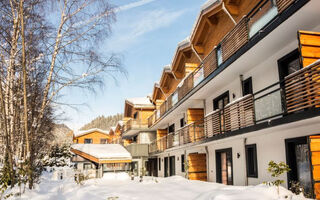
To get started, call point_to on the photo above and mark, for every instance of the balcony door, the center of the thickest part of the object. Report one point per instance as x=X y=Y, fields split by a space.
x=224 y=171
x=172 y=170
x=298 y=159
x=219 y=103
x=289 y=64
x=166 y=167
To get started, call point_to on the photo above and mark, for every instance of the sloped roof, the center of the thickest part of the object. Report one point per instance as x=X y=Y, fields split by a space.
x=204 y=8
x=101 y=152
x=139 y=102
x=81 y=133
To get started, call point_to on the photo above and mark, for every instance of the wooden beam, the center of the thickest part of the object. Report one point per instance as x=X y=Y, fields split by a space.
x=199 y=48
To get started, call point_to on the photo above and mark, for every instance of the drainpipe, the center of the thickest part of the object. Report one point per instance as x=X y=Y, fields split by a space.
x=208 y=168
x=227 y=12
x=193 y=49
x=245 y=169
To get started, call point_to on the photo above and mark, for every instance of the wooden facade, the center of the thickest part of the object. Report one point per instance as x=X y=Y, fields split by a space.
x=197 y=167
x=95 y=136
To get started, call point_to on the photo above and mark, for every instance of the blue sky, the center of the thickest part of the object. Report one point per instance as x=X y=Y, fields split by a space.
x=146 y=35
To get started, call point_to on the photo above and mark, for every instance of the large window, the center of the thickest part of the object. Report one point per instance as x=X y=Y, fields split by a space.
x=251 y=161
x=289 y=64
x=247 y=86
x=88 y=141
x=182 y=163
x=159 y=164
x=219 y=55
x=182 y=122
x=171 y=128
x=224 y=166
x=221 y=101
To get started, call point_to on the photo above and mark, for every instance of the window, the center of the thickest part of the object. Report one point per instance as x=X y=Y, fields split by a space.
x=135 y=115
x=159 y=164
x=289 y=64
x=103 y=141
x=247 y=86
x=182 y=122
x=219 y=55
x=87 y=141
x=171 y=128
x=251 y=161
x=221 y=101
x=224 y=169
x=87 y=166
x=182 y=163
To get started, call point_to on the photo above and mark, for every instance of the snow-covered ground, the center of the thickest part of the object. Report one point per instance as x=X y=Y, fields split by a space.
x=120 y=187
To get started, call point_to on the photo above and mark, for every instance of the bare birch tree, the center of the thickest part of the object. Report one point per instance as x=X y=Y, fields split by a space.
x=45 y=47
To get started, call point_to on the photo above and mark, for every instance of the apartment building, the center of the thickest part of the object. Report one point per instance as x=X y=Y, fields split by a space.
x=136 y=136
x=241 y=91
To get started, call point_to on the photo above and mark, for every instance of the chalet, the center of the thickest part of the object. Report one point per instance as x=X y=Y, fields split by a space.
x=136 y=135
x=92 y=136
x=241 y=91
x=97 y=159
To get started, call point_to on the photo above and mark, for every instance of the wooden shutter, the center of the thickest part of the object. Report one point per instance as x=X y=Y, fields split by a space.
x=314 y=142
x=309 y=46
x=197 y=166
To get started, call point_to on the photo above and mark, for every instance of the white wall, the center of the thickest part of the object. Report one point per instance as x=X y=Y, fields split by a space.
x=270 y=146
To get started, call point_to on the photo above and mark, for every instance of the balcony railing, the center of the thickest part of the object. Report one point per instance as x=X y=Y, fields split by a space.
x=259 y=17
x=188 y=134
x=135 y=124
x=297 y=92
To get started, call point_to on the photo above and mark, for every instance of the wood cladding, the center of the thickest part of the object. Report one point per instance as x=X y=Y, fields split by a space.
x=283 y=4
x=315 y=161
x=235 y=39
x=194 y=115
x=95 y=136
x=309 y=46
x=302 y=89
x=197 y=167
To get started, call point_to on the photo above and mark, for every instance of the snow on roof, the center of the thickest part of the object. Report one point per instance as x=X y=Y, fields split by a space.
x=113 y=128
x=140 y=102
x=120 y=122
x=80 y=133
x=104 y=151
x=167 y=68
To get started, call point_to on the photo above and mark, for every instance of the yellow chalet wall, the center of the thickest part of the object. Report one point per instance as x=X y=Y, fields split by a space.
x=96 y=137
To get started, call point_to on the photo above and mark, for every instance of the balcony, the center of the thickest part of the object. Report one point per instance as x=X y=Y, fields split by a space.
x=138 y=150
x=246 y=29
x=297 y=93
x=133 y=126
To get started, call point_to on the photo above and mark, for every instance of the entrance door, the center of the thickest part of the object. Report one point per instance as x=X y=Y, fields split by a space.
x=153 y=166
x=172 y=166
x=298 y=159
x=224 y=166
x=166 y=167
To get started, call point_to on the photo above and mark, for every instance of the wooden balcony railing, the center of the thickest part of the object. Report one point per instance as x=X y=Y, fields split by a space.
x=302 y=89
x=135 y=124
x=250 y=25
x=297 y=92
x=190 y=133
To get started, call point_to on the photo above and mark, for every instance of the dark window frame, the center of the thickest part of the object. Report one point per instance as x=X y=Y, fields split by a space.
x=217 y=99
x=171 y=128
x=219 y=49
x=86 y=139
x=103 y=139
x=218 y=165
x=183 y=169
x=255 y=161
x=249 y=82
x=159 y=160
x=182 y=122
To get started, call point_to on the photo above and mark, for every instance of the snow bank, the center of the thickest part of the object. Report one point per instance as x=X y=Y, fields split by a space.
x=121 y=176
x=119 y=186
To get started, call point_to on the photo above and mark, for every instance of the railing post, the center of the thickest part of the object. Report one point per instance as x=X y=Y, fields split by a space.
x=194 y=132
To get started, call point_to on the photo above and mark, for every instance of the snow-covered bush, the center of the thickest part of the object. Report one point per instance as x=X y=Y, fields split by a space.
x=59 y=156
